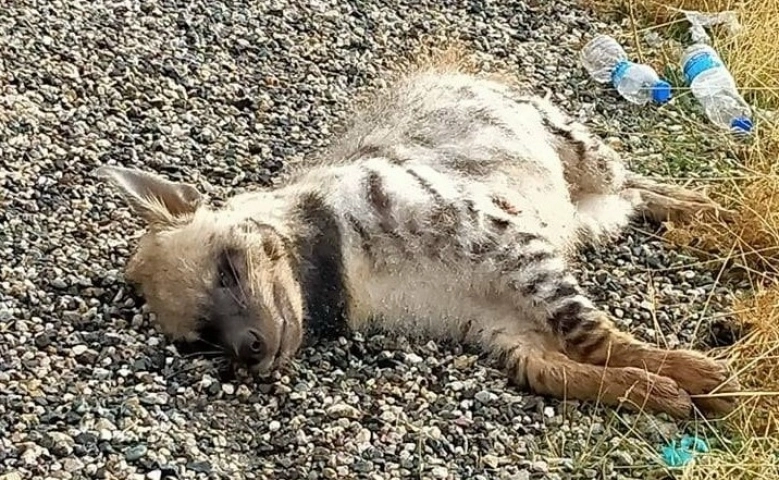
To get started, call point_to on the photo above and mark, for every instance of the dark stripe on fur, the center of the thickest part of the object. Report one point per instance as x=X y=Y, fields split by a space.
x=567 y=318
x=520 y=261
x=532 y=286
x=469 y=166
x=525 y=238
x=587 y=340
x=498 y=224
x=321 y=269
x=470 y=208
x=425 y=184
x=562 y=290
x=566 y=135
x=381 y=202
x=562 y=131
x=365 y=239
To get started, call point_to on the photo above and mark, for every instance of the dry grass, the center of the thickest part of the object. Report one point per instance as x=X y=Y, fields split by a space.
x=748 y=439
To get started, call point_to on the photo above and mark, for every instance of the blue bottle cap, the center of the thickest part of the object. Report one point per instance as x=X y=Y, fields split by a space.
x=661 y=91
x=741 y=125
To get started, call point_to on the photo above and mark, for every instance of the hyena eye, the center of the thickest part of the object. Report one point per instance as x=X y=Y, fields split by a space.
x=226 y=279
x=228 y=271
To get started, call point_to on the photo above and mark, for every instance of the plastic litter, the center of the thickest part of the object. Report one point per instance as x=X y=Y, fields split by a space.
x=681 y=453
x=714 y=87
x=700 y=20
x=606 y=61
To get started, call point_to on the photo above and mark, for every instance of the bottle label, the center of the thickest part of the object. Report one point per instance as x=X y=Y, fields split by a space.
x=699 y=63
x=619 y=71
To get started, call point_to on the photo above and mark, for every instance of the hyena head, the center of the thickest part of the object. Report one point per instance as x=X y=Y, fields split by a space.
x=218 y=277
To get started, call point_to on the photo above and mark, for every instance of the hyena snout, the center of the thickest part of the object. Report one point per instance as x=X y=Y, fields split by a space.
x=250 y=346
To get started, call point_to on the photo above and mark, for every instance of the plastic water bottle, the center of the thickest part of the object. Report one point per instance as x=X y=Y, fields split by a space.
x=714 y=87
x=606 y=61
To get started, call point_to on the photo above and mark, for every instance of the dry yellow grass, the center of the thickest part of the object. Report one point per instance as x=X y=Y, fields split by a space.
x=750 y=437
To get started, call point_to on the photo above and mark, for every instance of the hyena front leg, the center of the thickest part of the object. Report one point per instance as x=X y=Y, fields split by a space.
x=545 y=370
x=598 y=342
x=588 y=344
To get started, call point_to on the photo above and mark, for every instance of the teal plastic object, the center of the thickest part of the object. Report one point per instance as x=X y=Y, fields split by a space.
x=681 y=453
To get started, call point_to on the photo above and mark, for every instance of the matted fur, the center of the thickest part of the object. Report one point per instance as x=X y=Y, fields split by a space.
x=447 y=209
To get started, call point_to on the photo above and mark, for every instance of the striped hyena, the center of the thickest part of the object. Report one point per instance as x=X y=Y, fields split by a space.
x=450 y=209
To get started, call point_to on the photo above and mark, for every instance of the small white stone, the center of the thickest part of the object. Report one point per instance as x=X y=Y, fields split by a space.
x=521 y=475
x=228 y=388
x=440 y=472
x=485 y=397
x=206 y=381
x=72 y=465
x=413 y=358
x=435 y=433
x=274 y=426
x=342 y=410
x=540 y=466
x=79 y=349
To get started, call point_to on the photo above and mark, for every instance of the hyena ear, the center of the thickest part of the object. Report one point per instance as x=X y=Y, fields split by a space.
x=156 y=200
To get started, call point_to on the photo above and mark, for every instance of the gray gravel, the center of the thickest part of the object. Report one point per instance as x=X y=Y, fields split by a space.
x=223 y=94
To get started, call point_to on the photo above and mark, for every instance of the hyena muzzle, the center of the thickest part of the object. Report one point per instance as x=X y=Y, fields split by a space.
x=449 y=209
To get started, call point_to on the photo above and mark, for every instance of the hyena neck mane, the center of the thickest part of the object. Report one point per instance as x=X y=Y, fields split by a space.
x=319 y=265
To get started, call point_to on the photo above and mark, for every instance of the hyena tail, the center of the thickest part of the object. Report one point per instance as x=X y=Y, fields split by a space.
x=661 y=202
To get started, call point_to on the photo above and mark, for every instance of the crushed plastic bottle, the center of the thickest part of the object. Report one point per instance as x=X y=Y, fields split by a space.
x=714 y=87
x=606 y=61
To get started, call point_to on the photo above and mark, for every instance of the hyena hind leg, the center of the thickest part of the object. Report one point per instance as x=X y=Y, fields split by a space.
x=592 y=169
x=660 y=202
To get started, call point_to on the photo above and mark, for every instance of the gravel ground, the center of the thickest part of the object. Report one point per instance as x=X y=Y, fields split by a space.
x=223 y=94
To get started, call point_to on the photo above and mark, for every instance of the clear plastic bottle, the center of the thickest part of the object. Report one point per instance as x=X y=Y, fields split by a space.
x=714 y=87
x=606 y=61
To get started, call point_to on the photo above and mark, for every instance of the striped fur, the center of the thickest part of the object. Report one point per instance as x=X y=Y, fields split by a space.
x=449 y=208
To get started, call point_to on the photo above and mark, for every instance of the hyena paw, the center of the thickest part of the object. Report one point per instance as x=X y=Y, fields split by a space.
x=658 y=394
x=701 y=376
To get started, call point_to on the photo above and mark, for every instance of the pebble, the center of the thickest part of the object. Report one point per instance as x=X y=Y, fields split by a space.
x=485 y=397
x=135 y=453
x=440 y=472
x=80 y=350
x=342 y=410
